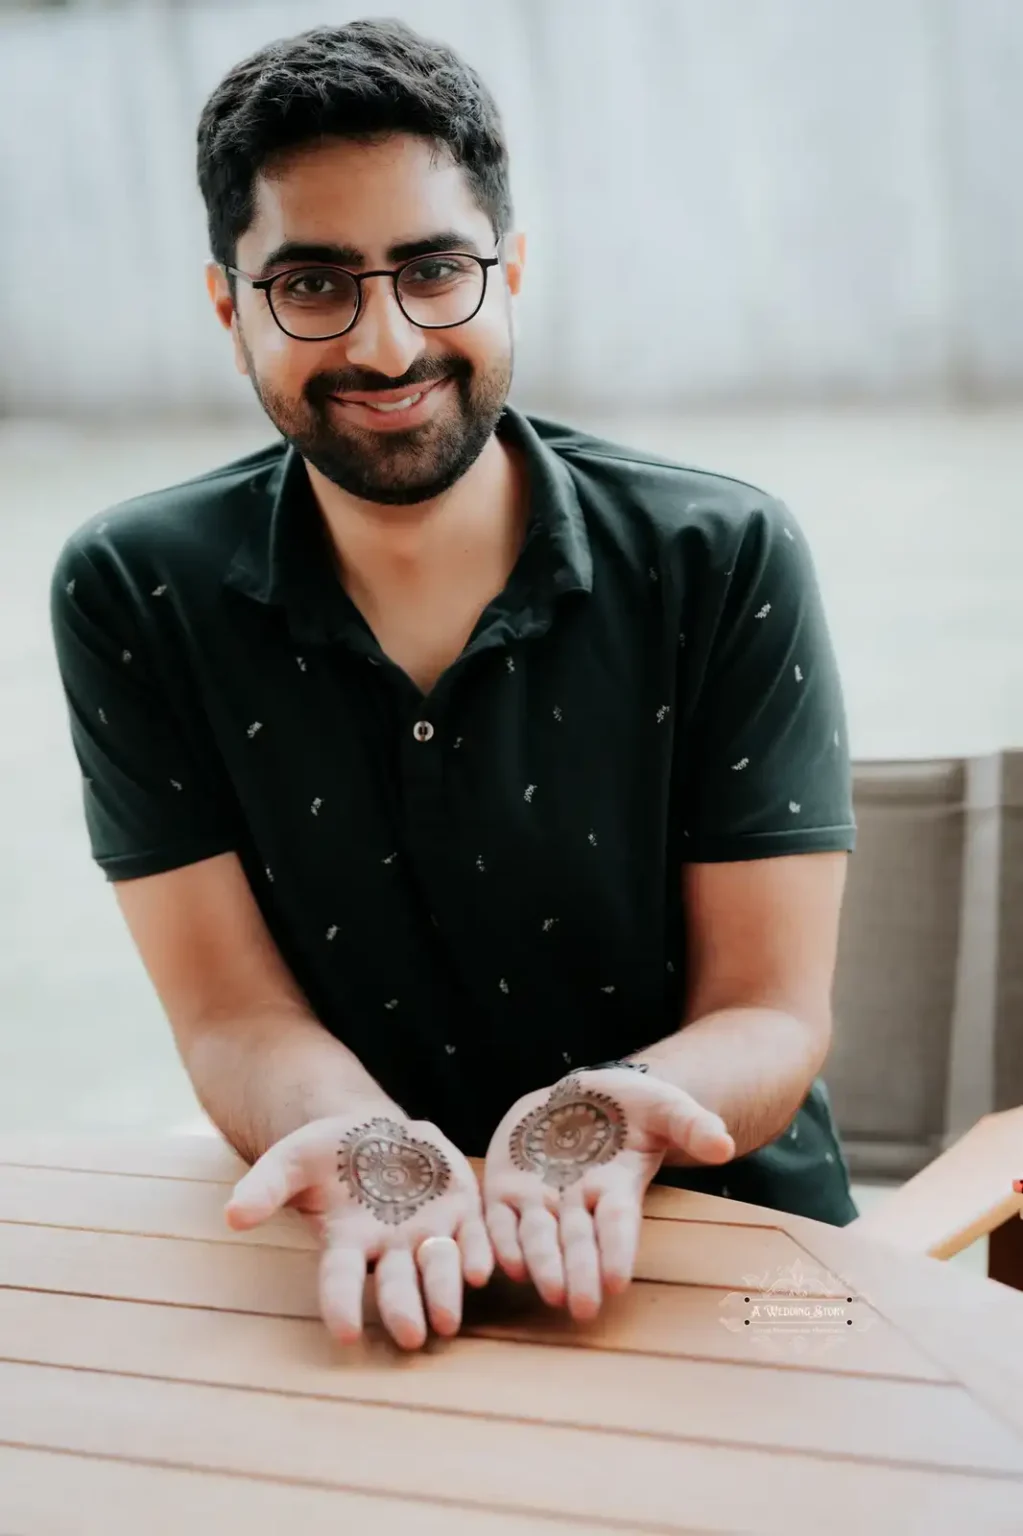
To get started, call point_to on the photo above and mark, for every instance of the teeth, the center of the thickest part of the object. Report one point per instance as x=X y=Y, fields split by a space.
x=399 y=405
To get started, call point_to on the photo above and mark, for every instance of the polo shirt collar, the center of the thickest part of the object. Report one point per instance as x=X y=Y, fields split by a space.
x=286 y=558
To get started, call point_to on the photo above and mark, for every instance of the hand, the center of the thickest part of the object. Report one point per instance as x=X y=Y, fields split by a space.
x=567 y=1170
x=379 y=1189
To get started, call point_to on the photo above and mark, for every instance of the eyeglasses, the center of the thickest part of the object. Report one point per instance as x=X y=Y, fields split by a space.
x=317 y=303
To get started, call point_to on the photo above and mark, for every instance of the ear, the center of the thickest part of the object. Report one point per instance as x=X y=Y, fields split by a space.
x=513 y=248
x=219 y=290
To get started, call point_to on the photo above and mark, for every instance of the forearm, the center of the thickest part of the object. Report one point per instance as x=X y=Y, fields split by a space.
x=261 y=1076
x=751 y=1066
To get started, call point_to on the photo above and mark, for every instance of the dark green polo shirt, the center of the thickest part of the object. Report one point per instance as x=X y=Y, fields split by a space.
x=480 y=887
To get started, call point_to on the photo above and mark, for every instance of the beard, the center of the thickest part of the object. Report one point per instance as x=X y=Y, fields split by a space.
x=392 y=468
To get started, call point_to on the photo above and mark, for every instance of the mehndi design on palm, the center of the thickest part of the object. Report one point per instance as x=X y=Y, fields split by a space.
x=574 y=1131
x=391 y=1172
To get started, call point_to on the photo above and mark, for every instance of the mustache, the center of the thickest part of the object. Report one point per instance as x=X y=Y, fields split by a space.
x=323 y=385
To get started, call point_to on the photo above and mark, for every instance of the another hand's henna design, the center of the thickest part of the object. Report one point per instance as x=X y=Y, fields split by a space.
x=574 y=1131
x=386 y=1169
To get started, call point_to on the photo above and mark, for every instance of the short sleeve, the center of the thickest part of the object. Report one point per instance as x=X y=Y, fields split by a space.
x=153 y=799
x=768 y=770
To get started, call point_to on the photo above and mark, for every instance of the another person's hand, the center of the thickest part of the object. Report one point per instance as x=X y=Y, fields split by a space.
x=567 y=1170
x=392 y=1192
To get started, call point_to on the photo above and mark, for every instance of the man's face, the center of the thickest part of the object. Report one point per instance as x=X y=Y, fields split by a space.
x=366 y=207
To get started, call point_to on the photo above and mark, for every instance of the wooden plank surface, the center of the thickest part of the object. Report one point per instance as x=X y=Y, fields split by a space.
x=708 y=1254
x=173 y=1156
x=962 y=1195
x=600 y=1477
x=652 y=1318
x=46 y=1493
x=971 y=1327
x=210 y=1159
x=141 y=1339
x=743 y=1403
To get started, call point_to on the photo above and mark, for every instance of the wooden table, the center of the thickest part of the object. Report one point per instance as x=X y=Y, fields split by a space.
x=159 y=1374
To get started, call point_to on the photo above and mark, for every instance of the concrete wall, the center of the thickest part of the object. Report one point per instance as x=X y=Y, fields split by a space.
x=726 y=199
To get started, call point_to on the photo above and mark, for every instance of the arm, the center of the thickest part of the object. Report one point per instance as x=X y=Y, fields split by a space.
x=163 y=823
x=762 y=938
x=260 y=1062
x=765 y=790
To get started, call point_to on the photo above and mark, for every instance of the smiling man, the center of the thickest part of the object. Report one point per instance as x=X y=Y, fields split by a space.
x=469 y=784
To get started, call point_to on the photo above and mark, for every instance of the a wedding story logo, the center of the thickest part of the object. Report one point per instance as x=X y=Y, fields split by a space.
x=795 y=1310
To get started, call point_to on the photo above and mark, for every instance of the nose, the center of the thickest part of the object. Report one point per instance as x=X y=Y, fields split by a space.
x=382 y=338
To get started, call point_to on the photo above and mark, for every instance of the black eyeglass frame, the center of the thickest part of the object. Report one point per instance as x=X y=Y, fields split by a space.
x=265 y=284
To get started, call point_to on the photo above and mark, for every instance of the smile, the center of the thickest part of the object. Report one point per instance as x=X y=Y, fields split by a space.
x=395 y=413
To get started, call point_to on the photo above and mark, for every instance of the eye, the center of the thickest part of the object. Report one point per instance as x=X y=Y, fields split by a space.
x=314 y=283
x=435 y=271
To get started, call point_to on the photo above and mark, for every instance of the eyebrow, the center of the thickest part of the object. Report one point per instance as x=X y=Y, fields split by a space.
x=290 y=252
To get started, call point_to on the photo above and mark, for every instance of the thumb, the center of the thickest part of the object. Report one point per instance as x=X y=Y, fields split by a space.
x=692 y=1128
x=278 y=1176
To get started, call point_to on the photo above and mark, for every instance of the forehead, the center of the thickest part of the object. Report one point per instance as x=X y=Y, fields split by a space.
x=371 y=196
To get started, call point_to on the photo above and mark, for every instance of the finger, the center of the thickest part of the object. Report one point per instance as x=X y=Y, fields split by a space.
x=582 y=1263
x=342 y=1281
x=278 y=1176
x=541 y=1249
x=398 y=1298
x=503 y=1226
x=440 y=1265
x=688 y=1125
x=618 y=1221
x=476 y=1249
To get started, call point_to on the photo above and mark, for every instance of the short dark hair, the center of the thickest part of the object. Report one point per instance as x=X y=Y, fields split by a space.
x=360 y=81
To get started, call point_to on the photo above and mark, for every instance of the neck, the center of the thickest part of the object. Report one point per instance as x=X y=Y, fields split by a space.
x=383 y=547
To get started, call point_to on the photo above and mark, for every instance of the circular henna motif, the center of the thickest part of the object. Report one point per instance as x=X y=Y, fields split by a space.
x=390 y=1172
x=571 y=1133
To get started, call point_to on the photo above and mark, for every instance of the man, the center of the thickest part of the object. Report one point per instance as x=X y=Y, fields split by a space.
x=469 y=785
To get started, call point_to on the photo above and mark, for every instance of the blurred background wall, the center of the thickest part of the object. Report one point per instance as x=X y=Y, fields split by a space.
x=802 y=200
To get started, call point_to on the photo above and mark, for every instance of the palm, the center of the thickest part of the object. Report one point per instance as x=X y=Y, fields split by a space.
x=567 y=1170
x=377 y=1191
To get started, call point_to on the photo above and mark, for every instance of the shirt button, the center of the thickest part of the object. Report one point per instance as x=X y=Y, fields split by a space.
x=423 y=730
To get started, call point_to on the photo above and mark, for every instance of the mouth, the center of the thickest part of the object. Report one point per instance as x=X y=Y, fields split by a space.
x=394 y=412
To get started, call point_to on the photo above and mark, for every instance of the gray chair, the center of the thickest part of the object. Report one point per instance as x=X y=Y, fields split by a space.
x=928 y=1040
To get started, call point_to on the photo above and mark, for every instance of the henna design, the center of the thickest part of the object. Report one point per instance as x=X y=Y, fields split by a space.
x=574 y=1131
x=389 y=1171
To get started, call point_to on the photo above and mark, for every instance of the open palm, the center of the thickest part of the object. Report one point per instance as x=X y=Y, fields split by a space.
x=377 y=1190
x=567 y=1170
